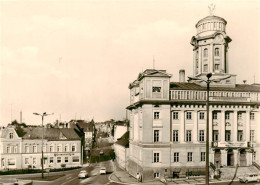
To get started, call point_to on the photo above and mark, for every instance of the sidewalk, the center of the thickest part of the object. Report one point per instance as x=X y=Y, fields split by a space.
x=122 y=177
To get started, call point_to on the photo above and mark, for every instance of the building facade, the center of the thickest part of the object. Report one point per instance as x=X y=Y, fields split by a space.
x=168 y=119
x=21 y=148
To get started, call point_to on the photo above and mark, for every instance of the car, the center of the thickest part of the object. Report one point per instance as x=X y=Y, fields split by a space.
x=83 y=174
x=101 y=152
x=102 y=170
x=251 y=177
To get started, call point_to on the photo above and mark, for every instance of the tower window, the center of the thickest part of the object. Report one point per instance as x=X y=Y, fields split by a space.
x=216 y=67
x=205 y=52
x=205 y=68
x=216 y=51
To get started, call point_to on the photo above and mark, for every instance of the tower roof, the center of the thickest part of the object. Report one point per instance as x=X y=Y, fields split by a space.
x=211 y=18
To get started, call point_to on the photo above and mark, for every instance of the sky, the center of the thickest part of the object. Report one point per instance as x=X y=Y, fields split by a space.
x=76 y=58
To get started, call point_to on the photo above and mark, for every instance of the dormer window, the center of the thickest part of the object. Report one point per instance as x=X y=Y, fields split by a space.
x=156 y=89
x=11 y=135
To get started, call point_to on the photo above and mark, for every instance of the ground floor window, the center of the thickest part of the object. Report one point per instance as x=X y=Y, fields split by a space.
x=66 y=159
x=58 y=159
x=202 y=156
x=34 y=160
x=51 y=159
x=189 y=157
x=75 y=159
x=26 y=161
x=11 y=162
x=156 y=175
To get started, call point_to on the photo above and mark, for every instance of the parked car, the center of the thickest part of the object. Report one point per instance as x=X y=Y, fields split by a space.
x=102 y=170
x=251 y=177
x=83 y=174
x=101 y=152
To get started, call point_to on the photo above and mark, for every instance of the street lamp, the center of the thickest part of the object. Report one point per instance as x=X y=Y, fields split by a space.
x=42 y=115
x=208 y=81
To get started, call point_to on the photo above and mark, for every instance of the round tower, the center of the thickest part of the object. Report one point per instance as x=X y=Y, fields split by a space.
x=210 y=51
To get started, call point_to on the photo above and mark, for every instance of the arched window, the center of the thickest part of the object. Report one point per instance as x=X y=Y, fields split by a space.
x=216 y=51
x=205 y=52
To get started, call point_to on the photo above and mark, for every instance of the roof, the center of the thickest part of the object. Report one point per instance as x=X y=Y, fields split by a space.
x=124 y=140
x=194 y=86
x=210 y=18
x=87 y=127
x=50 y=133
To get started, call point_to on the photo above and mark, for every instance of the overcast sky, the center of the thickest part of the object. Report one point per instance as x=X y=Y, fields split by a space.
x=77 y=58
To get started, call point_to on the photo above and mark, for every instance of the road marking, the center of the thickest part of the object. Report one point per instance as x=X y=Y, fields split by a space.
x=69 y=181
x=68 y=177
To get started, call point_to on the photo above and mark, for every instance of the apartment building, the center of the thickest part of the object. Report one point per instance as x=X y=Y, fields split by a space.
x=21 y=148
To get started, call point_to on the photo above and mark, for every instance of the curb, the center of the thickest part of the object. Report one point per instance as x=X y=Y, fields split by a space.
x=118 y=181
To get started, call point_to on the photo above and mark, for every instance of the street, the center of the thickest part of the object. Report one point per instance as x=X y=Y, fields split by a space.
x=71 y=177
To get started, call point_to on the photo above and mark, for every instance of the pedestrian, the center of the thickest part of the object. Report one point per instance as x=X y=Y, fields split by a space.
x=137 y=177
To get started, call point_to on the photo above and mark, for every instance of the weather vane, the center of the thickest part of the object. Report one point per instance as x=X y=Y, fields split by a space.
x=212 y=7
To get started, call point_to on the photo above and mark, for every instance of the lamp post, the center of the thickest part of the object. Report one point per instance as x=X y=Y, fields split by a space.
x=42 y=115
x=208 y=81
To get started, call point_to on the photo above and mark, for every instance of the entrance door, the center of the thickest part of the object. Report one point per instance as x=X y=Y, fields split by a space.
x=242 y=158
x=230 y=158
x=217 y=158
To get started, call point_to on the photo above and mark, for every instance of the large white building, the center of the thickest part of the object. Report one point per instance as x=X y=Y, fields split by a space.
x=168 y=119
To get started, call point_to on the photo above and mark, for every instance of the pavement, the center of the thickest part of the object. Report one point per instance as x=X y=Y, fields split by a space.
x=122 y=177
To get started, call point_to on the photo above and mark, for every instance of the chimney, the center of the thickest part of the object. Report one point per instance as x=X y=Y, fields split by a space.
x=182 y=75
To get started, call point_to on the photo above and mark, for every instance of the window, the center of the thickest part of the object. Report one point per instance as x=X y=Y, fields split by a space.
x=202 y=156
x=188 y=135
x=252 y=135
x=228 y=135
x=8 y=150
x=175 y=136
x=59 y=148
x=202 y=135
x=15 y=149
x=175 y=115
x=202 y=115
x=189 y=157
x=215 y=115
x=156 y=157
x=157 y=89
x=26 y=149
x=227 y=115
x=188 y=115
x=34 y=160
x=11 y=135
x=73 y=148
x=156 y=175
x=217 y=52
x=51 y=149
x=58 y=159
x=240 y=135
x=205 y=52
x=34 y=149
x=11 y=162
x=239 y=115
x=252 y=115
x=176 y=157
x=217 y=67
x=66 y=148
x=156 y=136
x=156 y=115
x=51 y=159
x=26 y=161
x=66 y=160
x=75 y=159
x=215 y=135
x=205 y=68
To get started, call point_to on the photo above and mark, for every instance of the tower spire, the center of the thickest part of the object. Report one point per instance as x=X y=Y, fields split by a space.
x=212 y=8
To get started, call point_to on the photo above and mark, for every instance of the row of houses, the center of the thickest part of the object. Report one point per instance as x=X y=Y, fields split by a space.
x=65 y=145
